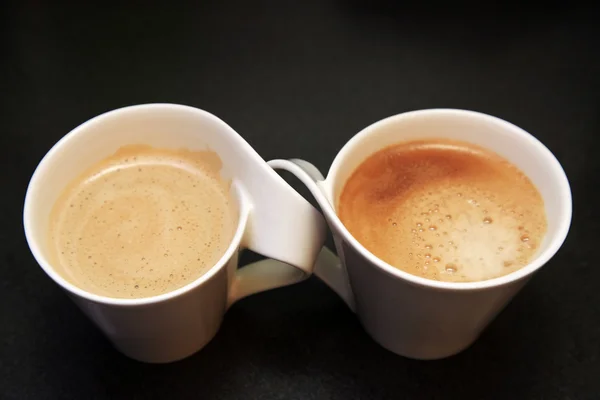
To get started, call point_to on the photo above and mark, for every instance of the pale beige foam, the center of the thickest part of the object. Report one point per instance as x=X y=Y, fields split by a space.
x=143 y=222
x=444 y=210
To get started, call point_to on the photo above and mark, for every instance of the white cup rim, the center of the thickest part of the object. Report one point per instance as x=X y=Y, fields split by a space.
x=35 y=247
x=542 y=258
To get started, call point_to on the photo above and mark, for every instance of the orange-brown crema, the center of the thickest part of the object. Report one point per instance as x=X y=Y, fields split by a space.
x=444 y=210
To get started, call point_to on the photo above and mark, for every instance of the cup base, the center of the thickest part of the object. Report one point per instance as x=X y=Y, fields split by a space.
x=155 y=352
x=423 y=351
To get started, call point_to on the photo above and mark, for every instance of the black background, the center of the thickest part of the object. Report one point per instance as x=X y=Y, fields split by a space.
x=298 y=79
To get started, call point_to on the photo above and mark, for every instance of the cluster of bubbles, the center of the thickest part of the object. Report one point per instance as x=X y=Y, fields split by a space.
x=434 y=233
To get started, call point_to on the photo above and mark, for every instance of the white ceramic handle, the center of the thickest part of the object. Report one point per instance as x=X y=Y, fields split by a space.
x=282 y=226
x=328 y=267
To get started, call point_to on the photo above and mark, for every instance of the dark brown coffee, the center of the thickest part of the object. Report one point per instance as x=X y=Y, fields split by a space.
x=444 y=210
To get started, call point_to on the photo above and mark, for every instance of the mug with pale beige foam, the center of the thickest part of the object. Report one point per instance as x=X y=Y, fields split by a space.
x=439 y=218
x=139 y=215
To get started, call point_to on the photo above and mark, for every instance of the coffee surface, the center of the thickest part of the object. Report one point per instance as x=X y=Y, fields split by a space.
x=142 y=222
x=444 y=210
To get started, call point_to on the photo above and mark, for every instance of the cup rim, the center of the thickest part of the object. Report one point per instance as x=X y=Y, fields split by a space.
x=542 y=258
x=48 y=159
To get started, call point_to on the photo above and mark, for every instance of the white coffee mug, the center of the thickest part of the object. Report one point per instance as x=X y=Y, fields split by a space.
x=274 y=220
x=410 y=315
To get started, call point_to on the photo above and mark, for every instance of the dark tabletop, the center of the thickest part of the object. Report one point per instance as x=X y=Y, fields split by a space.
x=298 y=79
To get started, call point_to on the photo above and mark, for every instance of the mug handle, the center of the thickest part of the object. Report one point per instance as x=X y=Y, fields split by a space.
x=270 y=274
x=281 y=225
x=328 y=267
